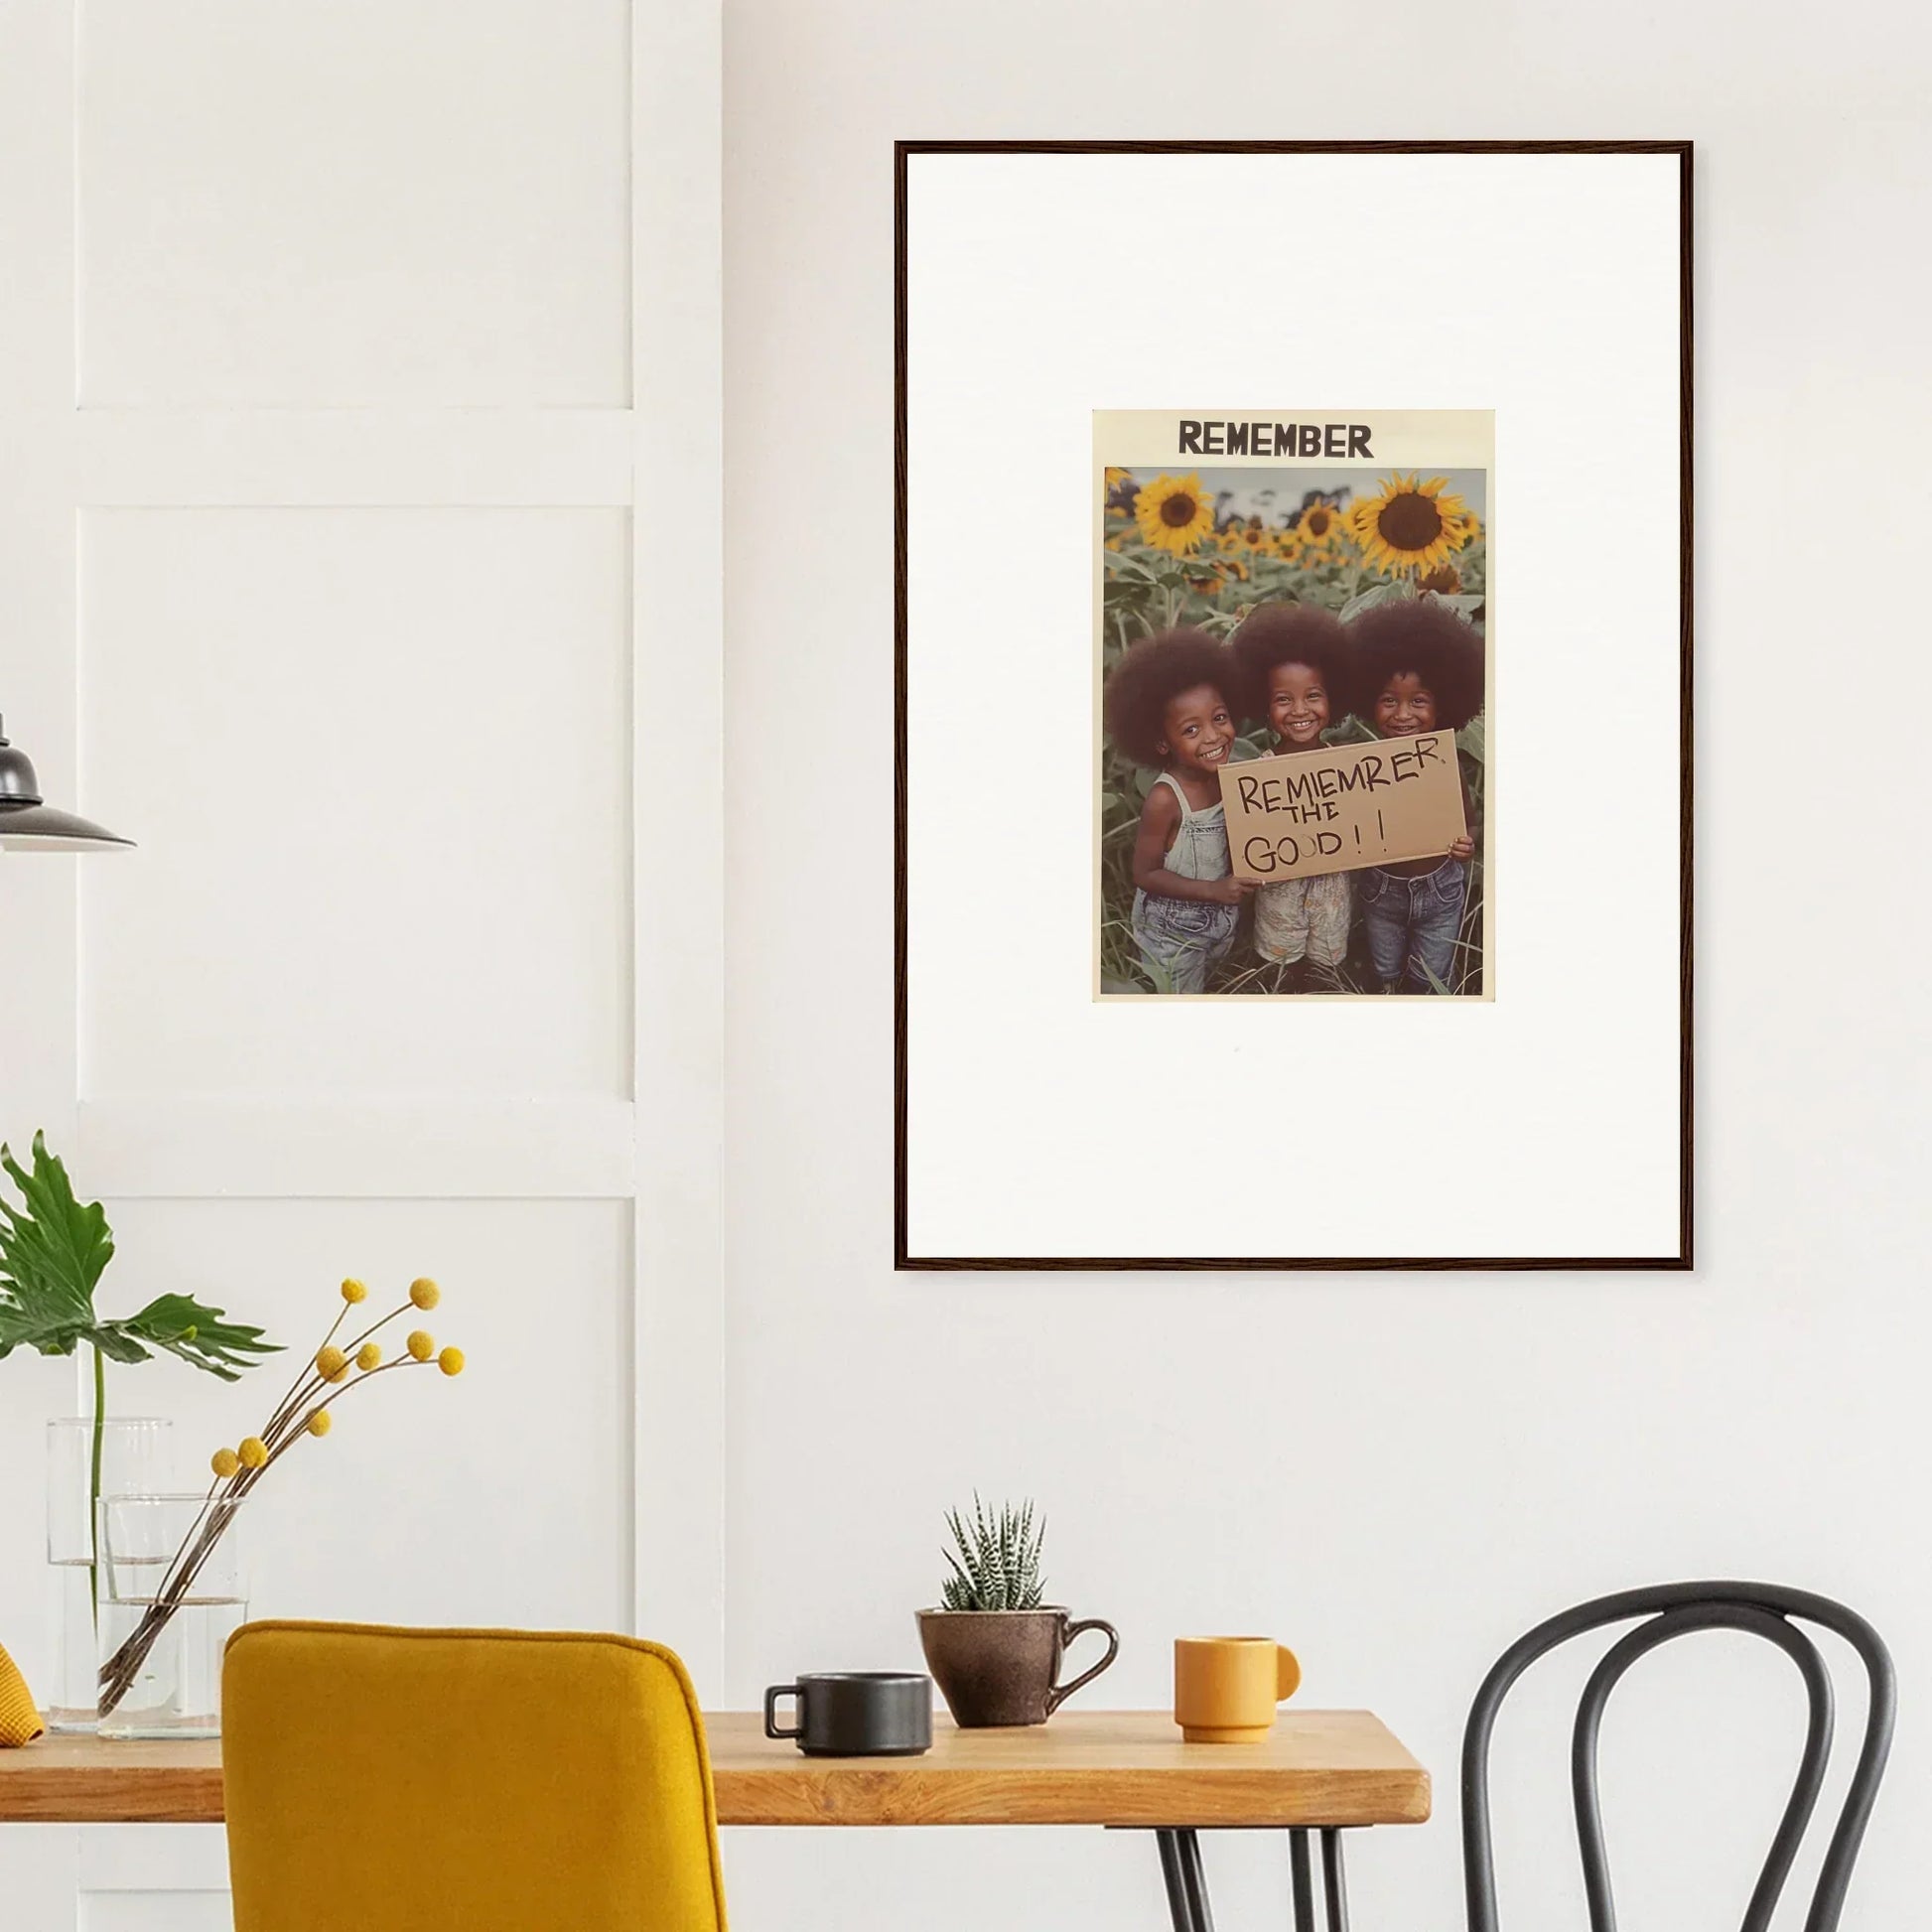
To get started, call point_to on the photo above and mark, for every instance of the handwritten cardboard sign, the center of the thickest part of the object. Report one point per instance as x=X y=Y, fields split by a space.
x=1343 y=806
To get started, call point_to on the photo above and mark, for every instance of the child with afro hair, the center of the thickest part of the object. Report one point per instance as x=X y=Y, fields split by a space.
x=1167 y=706
x=1294 y=663
x=1417 y=668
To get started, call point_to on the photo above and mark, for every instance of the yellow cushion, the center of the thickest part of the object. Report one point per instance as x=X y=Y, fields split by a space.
x=386 y=1780
x=20 y=1720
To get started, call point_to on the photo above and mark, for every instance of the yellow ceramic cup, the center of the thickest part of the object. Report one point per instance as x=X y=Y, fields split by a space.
x=1225 y=1689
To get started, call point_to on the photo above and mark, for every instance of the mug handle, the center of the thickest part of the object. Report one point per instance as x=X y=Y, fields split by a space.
x=1288 y=1673
x=771 y=1697
x=1060 y=1693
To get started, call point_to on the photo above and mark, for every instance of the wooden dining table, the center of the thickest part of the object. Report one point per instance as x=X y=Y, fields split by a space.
x=1316 y=1775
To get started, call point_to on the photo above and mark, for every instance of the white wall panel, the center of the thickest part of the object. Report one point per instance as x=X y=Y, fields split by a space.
x=316 y=544
x=318 y=203
x=155 y=1911
x=498 y=1497
x=379 y=764
x=320 y=332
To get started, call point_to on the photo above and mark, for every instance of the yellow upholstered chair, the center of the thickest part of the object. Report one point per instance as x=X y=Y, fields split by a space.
x=382 y=1780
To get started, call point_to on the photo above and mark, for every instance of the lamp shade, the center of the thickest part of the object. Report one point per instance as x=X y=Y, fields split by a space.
x=28 y=823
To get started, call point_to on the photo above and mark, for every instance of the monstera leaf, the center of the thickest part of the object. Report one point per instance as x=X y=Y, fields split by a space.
x=53 y=1252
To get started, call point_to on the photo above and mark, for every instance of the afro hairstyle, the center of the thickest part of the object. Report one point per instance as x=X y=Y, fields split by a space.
x=1151 y=676
x=1421 y=636
x=1291 y=633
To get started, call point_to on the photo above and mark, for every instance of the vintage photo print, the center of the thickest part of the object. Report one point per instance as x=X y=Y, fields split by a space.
x=1294 y=656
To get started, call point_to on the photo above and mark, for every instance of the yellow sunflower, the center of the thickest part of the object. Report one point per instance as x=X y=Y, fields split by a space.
x=1318 y=534
x=1174 y=514
x=1411 y=525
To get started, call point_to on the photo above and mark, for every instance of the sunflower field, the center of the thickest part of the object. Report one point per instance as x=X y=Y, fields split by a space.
x=1176 y=553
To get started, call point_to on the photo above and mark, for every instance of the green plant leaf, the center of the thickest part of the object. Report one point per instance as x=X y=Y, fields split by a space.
x=57 y=1248
x=1396 y=588
x=996 y=1562
x=45 y=1335
x=116 y=1344
x=53 y=1250
x=196 y=1333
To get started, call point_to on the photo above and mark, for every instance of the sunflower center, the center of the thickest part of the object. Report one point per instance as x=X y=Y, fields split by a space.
x=1317 y=523
x=1178 y=510
x=1410 y=521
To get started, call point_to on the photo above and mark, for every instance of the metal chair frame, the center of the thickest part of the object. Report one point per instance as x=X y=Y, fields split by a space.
x=1758 y=1609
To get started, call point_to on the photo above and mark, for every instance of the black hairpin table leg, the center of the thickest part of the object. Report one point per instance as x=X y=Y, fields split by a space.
x=1334 y=1886
x=1181 y=1866
x=1333 y=1880
x=1304 y=1880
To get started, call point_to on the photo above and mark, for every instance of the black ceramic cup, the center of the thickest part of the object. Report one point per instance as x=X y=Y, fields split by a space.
x=856 y=1713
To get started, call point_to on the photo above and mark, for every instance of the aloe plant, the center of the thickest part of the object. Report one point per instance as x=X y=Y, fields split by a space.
x=995 y=1558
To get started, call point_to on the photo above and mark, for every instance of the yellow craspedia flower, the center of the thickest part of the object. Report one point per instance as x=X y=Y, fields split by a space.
x=424 y=1292
x=1174 y=514
x=254 y=1452
x=1411 y=522
x=451 y=1361
x=330 y=1363
x=225 y=1462
x=320 y=1422
x=355 y=1290
x=368 y=1356
x=422 y=1345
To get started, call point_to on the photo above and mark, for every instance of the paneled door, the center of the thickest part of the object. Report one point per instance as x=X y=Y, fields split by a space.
x=360 y=558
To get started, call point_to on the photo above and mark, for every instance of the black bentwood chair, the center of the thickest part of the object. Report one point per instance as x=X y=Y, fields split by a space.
x=1760 y=1609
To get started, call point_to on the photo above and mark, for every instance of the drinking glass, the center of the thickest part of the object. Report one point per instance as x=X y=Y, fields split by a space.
x=172 y=1593
x=133 y=1456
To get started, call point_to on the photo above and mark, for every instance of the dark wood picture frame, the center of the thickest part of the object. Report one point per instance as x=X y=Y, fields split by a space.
x=1682 y=1259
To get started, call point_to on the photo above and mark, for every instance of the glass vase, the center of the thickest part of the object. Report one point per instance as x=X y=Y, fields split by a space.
x=133 y=1456
x=172 y=1593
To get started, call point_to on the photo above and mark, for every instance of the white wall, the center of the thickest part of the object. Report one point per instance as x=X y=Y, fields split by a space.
x=1395 y=1474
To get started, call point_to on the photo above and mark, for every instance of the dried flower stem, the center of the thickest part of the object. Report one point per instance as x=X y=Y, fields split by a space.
x=288 y=1422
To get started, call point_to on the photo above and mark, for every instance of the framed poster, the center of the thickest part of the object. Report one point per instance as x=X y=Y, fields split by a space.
x=1294 y=761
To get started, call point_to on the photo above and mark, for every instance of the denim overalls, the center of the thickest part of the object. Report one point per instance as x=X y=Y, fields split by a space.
x=1182 y=938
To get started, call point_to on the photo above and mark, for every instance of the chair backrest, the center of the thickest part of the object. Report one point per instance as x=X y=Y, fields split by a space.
x=489 y=1780
x=1761 y=1610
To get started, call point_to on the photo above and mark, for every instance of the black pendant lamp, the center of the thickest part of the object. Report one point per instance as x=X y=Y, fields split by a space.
x=29 y=824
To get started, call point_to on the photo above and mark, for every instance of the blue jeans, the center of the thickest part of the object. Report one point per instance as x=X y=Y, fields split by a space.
x=1412 y=926
x=1180 y=938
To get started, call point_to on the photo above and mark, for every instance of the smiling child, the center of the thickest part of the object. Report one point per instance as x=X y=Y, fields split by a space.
x=1166 y=707
x=1292 y=658
x=1417 y=668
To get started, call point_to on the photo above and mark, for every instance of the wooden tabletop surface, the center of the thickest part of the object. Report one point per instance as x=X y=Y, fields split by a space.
x=1086 y=1768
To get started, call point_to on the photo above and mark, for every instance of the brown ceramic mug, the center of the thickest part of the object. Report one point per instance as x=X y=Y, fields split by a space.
x=1002 y=1667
